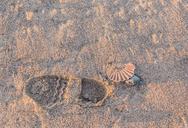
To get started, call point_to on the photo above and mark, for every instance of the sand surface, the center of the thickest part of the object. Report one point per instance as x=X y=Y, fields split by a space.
x=54 y=56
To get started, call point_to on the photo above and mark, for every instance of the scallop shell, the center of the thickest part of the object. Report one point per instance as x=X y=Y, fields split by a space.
x=123 y=73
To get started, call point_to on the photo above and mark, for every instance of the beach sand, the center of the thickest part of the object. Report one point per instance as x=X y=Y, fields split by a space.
x=54 y=56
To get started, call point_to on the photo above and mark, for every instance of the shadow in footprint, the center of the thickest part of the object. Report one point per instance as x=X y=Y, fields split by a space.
x=92 y=91
x=47 y=90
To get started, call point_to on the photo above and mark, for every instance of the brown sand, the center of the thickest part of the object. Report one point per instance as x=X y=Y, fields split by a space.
x=76 y=39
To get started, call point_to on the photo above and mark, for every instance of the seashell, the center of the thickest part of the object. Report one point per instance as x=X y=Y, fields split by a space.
x=135 y=80
x=121 y=73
